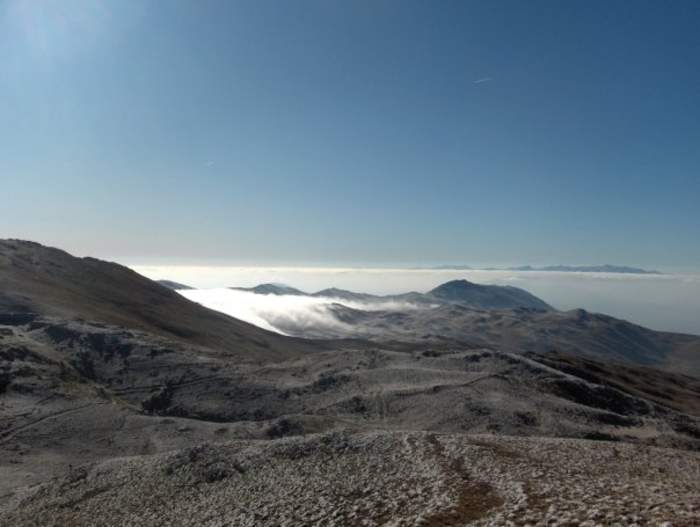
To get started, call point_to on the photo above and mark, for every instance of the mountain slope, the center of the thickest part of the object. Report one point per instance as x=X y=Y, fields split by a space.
x=577 y=332
x=73 y=393
x=486 y=296
x=48 y=281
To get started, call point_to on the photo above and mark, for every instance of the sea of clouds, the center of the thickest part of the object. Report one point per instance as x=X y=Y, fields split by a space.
x=287 y=314
x=669 y=302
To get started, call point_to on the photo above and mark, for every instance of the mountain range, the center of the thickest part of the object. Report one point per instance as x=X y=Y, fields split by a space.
x=460 y=313
x=461 y=292
x=122 y=402
x=605 y=268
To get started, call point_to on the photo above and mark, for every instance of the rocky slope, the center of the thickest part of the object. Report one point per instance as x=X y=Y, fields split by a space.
x=73 y=392
x=460 y=313
x=576 y=332
x=379 y=478
x=48 y=281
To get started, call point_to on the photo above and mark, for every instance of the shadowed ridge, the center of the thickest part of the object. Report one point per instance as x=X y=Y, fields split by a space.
x=49 y=281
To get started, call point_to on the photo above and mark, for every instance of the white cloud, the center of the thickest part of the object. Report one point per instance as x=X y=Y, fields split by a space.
x=282 y=313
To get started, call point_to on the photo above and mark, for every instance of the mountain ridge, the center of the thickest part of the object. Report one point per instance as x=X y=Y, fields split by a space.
x=51 y=282
x=455 y=291
x=604 y=268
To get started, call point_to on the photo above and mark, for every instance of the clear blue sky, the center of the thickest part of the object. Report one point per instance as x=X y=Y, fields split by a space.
x=356 y=132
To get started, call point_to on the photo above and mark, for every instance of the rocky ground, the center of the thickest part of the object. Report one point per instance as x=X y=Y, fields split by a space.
x=72 y=393
x=160 y=412
x=377 y=478
x=576 y=332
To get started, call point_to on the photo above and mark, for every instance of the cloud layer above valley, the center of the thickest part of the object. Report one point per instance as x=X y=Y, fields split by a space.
x=287 y=314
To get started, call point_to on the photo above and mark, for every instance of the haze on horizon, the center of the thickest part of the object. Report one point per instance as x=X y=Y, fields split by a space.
x=355 y=133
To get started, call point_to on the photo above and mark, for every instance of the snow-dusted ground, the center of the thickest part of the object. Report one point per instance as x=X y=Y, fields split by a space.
x=379 y=478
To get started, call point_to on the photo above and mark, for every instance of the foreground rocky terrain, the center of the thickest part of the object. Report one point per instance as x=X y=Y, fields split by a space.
x=377 y=478
x=134 y=419
x=75 y=393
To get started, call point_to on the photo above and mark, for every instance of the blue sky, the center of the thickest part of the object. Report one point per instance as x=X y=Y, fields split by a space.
x=361 y=132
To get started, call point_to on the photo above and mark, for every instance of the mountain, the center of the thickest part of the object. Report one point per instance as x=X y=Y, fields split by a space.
x=175 y=286
x=459 y=292
x=282 y=289
x=342 y=294
x=455 y=292
x=576 y=333
x=607 y=268
x=51 y=282
x=486 y=296
x=271 y=289
x=459 y=313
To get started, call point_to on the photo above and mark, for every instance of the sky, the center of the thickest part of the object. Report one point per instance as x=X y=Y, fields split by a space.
x=353 y=133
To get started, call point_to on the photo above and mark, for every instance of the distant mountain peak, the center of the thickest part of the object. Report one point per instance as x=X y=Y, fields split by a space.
x=343 y=294
x=605 y=268
x=486 y=296
x=332 y=290
x=272 y=289
x=460 y=283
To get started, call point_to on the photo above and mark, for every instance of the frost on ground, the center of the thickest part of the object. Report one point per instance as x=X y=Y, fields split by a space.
x=377 y=478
